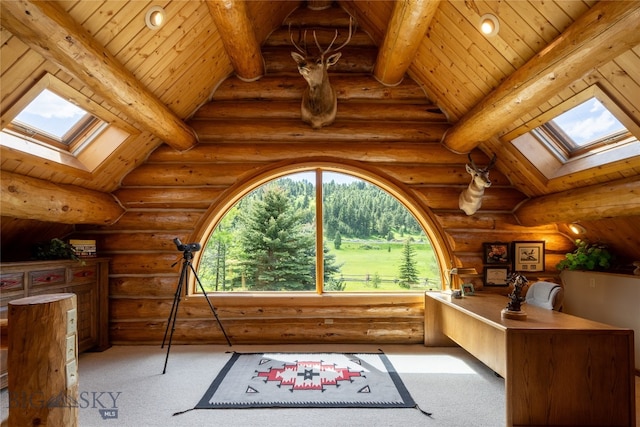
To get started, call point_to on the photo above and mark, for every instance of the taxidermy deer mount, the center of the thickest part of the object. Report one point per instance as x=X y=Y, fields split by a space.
x=470 y=199
x=319 y=101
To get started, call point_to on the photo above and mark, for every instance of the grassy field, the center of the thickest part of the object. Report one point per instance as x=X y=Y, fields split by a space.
x=368 y=266
x=362 y=260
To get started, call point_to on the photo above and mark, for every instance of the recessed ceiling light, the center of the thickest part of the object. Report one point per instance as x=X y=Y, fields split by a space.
x=154 y=17
x=489 y=25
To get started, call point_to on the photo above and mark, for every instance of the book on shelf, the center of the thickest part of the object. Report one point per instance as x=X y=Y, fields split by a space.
x=84 y=248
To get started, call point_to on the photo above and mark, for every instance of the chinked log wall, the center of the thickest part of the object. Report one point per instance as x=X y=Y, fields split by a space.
x=393 y=132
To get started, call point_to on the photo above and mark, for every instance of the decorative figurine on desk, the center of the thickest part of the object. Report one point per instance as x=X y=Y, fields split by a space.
x=513 y=311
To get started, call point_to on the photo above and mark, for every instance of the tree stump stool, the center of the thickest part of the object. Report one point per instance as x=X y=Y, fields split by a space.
x=43 y=374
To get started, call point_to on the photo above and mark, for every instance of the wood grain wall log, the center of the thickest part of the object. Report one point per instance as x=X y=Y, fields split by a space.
x=353 y=60
x=494 y=199
x=139 y=241
x=145 y=263
x=152 y=286
x=417 y=174
x=478 y=221
x=490 y=220
x=365 y=151
x=298 y=132
x=196 y=308
x=349 y=110
x=471 y=241
x=610 y=199
x=198 y=174
x=168 y=197
x=140 y=220
x=31 y=198
x=347 y=88
x=281 y=331
x=280 y=37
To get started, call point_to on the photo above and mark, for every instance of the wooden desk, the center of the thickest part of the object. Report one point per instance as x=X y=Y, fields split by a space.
x=558 y=369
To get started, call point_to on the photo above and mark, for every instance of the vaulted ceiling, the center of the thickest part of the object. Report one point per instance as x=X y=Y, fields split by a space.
x=544 y=53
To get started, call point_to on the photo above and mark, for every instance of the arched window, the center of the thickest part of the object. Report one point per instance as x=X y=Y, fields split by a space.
x=270 y=239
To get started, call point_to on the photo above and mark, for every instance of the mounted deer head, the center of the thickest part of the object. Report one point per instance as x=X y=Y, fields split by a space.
x=319 y=101
x=470 y=199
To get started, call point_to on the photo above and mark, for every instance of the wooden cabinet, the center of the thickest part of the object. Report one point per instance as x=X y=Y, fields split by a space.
x=88 y=279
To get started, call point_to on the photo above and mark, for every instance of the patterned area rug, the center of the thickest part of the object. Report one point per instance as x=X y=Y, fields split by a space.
x=321 y=380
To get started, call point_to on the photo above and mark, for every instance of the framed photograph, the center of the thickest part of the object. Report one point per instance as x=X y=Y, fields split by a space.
x=496 y=253
x=496 y=276
x=528 y=256
x=467 y=289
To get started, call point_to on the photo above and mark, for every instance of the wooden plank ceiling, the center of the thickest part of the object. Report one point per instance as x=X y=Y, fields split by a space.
x=544 y=53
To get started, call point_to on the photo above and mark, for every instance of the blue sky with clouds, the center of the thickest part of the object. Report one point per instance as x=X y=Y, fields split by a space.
x=588 y=121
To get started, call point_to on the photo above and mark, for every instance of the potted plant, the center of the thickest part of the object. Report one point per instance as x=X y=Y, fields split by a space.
x=587 y=256
x=54 y=249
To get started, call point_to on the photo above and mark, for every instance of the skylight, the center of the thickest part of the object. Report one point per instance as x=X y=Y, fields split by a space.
x=586 y=131
x=51 y=115
x=55 y=122
x=588 y=123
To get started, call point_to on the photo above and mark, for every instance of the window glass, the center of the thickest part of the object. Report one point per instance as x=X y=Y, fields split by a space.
x=47 y=123
x=588 y=123
x=51 y=115
x=585 y=131
x=267 y=241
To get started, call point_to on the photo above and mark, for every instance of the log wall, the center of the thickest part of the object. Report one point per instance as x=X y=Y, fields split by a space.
x=175 y=194
x=250 y=131
x=250 y=128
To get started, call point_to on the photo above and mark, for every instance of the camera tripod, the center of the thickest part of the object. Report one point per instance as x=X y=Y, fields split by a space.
x=184 y=275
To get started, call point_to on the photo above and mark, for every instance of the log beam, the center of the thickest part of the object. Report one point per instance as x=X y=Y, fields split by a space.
x=238 y=37
x=610 y=199
x=51 y=32
x=31 y=198
x=405 y=32
x=602 y=33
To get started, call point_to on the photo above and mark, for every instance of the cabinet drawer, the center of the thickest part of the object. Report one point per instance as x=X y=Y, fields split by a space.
x=83 y=274
x=11 y=281
x=47 y=277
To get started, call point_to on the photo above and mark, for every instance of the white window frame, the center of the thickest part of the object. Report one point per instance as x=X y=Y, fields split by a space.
x=88 y=148
x=554 y=160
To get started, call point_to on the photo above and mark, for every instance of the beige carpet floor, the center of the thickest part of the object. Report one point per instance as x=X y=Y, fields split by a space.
x=124 y=386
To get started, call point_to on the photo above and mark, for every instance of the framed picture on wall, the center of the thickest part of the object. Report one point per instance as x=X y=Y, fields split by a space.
x=528 y=256
x=496 y=253
x=496 y=276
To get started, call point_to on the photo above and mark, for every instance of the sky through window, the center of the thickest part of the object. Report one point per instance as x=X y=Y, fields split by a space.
x=50 y=114
x=589 y=122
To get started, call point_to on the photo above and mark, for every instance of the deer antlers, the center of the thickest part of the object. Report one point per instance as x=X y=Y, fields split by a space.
x=319 y=101
x=485 y=169
x=315 y=38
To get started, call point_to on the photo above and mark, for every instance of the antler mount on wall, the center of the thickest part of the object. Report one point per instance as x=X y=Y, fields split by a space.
x=470 y=199
x=319 y=101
